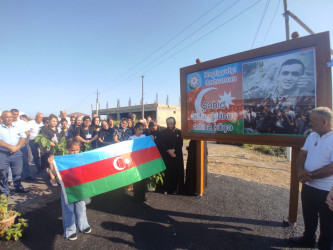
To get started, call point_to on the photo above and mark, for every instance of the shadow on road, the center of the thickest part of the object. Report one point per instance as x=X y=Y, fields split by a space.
x=168 y=229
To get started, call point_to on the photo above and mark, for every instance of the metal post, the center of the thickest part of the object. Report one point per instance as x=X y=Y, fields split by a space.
x=143 y=105
x=97 y=103
x=286 y=19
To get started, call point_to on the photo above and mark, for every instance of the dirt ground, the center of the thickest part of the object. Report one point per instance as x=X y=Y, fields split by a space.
x=248 y=164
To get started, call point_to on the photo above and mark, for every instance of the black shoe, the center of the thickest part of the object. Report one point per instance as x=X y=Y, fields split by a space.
x=303 y=242
x=72 y=237
x=29 y=178
x=87 y=230
x=139 y=199
x=22 y=190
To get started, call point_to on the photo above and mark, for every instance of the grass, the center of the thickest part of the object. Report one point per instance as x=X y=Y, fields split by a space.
x=268 y=150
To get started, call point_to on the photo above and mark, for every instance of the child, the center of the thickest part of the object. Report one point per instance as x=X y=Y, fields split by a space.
x=139 y=187
x=64 y=126
x=74 y=211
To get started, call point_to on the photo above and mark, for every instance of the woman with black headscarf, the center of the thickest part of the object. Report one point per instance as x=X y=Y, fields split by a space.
x=173 y=158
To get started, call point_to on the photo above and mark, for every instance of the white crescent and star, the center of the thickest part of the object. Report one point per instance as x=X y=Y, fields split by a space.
x=198 y=101
x=126 y=162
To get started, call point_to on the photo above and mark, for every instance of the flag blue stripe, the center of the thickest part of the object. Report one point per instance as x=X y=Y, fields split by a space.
x=71 y=161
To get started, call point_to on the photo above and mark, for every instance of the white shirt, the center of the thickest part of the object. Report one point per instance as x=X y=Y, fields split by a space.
x=11 y=135
x=21 y=125
x=136 y=137
x=34 y=128
x=320 y=153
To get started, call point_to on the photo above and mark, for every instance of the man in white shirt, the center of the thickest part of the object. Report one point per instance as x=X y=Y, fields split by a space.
x=63 y=115
x=22 y=125
x=315 y=170
x=34 y=127
x=11 y=140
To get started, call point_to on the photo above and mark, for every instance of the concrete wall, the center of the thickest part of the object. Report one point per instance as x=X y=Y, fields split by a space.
x=160 y=112
x=165 y=111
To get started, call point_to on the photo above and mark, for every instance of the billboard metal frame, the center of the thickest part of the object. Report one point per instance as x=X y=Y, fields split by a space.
x=323 y=87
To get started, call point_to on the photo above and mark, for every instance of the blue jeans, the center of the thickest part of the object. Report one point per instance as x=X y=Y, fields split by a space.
x=10 y=175
x=73 y=212
x=14 y=162
x=35 y=154
x=25 y=167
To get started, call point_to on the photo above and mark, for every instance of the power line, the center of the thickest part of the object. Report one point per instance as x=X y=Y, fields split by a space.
x=190 y=35
x=208 y=33
x=193 y=33
x=173 y=38
x=262 y=18
x=132 y=77
x=80 y=102
x=277 y=7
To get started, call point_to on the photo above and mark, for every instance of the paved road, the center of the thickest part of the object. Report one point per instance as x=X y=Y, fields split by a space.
x=233 y=214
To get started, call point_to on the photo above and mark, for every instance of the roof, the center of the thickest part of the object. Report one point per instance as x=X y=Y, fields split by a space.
x=77 y=114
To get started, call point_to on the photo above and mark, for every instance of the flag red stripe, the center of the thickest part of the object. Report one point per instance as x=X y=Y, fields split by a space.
x=100 y=169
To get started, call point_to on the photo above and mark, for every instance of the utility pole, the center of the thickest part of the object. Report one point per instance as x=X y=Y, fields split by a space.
x=286 y=19
x=303 y=25
x=97 y=104
x=143 y=105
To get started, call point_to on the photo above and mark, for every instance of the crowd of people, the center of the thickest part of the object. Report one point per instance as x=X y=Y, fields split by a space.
x=314 y=163
x=277 y=120
x=81 y=133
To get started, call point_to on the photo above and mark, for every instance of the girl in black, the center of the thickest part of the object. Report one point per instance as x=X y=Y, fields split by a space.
x=95 y=123
x=86 y=133
x=106 y=135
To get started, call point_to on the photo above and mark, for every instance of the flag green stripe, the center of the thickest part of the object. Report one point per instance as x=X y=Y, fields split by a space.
x=89 y=189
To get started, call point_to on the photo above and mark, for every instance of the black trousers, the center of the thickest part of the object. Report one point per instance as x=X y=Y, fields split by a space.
x=313 y=204
x=139 y=189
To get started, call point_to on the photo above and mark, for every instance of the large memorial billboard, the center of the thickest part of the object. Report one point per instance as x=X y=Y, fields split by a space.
x=257 y=95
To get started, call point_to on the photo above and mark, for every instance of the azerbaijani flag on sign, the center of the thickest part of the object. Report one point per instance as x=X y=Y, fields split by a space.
x=104 y=169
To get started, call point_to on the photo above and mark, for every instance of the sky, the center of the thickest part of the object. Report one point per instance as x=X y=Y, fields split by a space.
x=54 y=55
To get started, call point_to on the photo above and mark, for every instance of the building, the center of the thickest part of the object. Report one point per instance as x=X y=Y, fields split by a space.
x=158 y=112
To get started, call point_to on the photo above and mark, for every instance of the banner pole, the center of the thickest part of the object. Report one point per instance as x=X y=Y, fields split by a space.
x=200 y=167
x=294 y=188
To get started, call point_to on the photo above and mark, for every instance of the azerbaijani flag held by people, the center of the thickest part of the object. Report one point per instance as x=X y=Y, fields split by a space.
x=104 y=169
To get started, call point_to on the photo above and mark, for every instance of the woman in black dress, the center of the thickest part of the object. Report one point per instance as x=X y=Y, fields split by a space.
x=96 y=124
x=54 y=136
x=172 y=154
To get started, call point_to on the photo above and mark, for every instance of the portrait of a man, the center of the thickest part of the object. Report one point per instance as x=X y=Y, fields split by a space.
x=280 y=91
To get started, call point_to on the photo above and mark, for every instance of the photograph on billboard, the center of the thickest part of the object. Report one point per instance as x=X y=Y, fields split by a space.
x=270 y=95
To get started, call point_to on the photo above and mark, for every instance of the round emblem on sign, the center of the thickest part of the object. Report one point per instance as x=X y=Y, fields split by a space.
x=194 y=81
